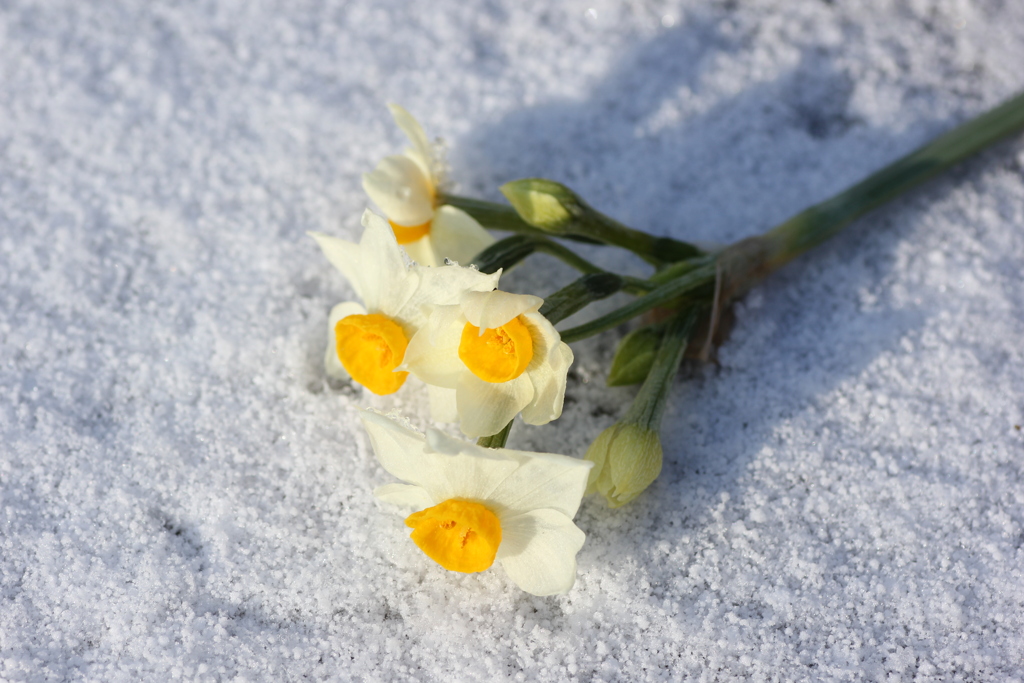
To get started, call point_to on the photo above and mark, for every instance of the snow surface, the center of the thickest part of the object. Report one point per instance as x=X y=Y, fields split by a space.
x=184 y=497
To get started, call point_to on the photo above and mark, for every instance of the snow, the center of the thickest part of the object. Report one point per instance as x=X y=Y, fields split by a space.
x=184 y=497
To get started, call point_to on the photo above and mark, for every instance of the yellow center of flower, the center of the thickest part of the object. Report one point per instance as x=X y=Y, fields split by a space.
x=499 y=354
x=405 y=234
x=459 y=535
x=370 y=347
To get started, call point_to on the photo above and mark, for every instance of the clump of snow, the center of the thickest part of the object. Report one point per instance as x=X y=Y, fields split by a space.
x=184 y=497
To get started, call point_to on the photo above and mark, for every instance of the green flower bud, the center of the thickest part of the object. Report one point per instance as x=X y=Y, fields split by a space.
x=627 y=459
x=544 y=204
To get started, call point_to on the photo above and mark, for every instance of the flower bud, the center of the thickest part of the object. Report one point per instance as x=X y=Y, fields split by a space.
x=627 y=459
x=544 y=204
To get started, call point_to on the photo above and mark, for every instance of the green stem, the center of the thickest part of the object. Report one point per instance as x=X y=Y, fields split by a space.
x=592 y=227
x=567 y=256
x=499 y=216
x=697 y=277
x=818 y=223
x=508 y=252
x=631 y=285
x=742 y=264
x=654 y=250
x=496 y=440
x=581 y=292
x=650 y=401
x=675 y=270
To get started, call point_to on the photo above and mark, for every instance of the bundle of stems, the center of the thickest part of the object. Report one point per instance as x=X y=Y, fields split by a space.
x=687 y=282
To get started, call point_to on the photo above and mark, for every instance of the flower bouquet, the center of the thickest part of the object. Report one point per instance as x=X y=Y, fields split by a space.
x=427 y=274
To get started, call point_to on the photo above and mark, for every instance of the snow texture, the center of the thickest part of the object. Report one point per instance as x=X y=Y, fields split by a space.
x=184 y=497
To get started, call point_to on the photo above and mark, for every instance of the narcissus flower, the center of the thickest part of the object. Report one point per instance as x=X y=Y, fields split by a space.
x=474 y=506
x=500 y=356
x=406 y=189
x=368 y=342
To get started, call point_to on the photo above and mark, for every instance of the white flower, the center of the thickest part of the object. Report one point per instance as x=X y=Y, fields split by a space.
x=476 y=505
x=368 y=342
x=405 y=188
x=499 y=355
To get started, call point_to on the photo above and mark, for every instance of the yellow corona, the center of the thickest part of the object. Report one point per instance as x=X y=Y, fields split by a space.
x=460 y=535
x=370 y=347
x=499 y=354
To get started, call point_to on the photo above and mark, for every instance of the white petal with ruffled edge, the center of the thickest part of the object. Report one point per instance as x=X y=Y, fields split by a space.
x=538 y=551
x=401 y=190
x=456 y=235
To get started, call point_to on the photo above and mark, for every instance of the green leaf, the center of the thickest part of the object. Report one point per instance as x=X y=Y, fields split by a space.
x=635 y=356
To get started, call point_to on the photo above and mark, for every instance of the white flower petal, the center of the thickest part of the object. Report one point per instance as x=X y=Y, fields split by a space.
x=485 y=407
x=414 y=131
x=545 y=339
x=402 y=191
x=422 y=251
x=344 y=256
x=444 y=286
x=488 y=310
x=404 y=453
x=433 y=352
x=405 y=495
x=374 y=267
x=442 y=404
x=549 y=387
x=388 y=284
x=464 y=469
x=538 y=551
x=399 y=449
x=457 y=236
x=332 y=365
x=543 y=480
